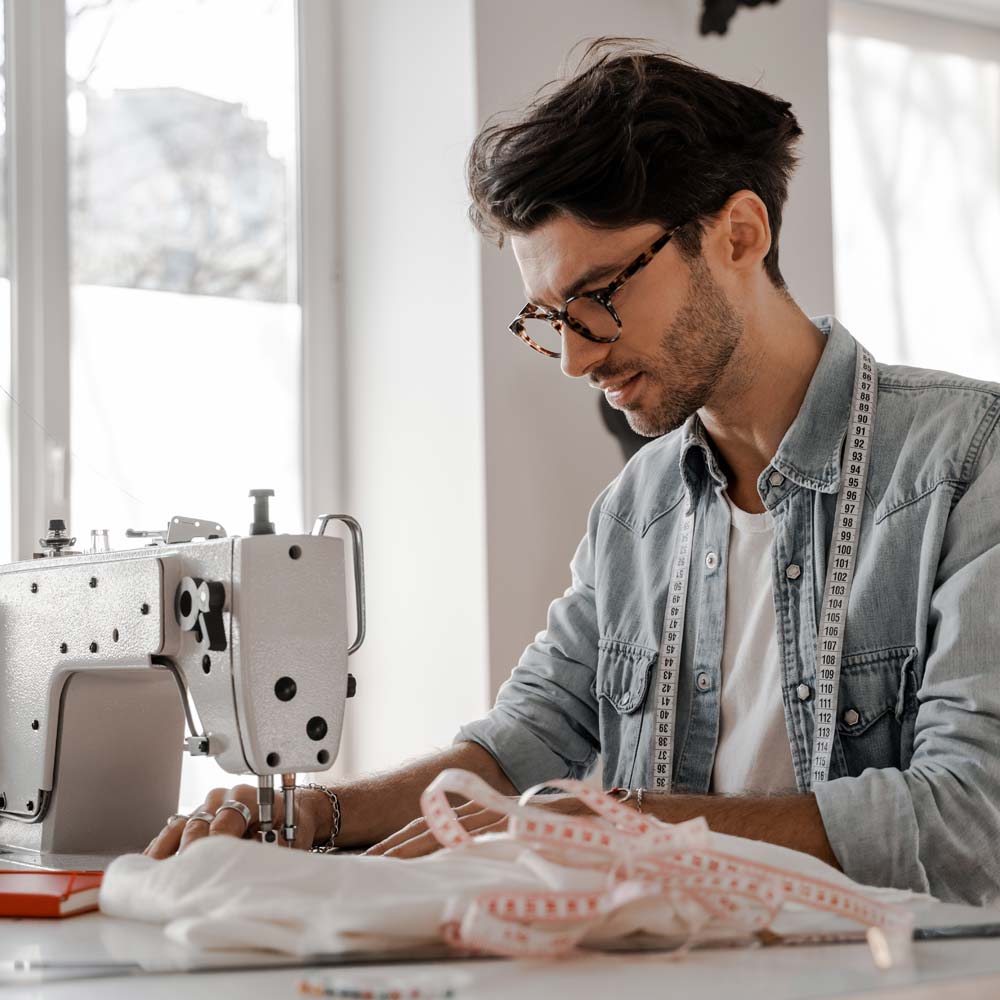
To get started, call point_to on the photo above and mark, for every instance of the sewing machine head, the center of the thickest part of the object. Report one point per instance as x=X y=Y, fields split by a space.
x=104 y=656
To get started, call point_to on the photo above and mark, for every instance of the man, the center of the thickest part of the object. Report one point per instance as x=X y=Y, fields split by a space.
x=642 y=200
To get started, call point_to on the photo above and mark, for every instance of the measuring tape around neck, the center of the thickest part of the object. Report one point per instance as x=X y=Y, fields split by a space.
x=837 y=590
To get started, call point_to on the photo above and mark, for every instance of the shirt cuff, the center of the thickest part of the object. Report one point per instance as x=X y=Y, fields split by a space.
x=872 y=828
x=522 y=756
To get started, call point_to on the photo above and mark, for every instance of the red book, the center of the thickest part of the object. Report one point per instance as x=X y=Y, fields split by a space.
x=27 y=893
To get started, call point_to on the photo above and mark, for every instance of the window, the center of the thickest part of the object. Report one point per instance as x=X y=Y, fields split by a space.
x=915 y=129
x=185 y=326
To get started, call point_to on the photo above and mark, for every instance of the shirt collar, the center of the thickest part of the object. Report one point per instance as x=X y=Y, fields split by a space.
x=695 y=446
x=810 y=452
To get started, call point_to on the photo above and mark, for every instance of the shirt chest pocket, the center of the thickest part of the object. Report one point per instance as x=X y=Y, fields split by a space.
x=876 y=710
x=620 y=688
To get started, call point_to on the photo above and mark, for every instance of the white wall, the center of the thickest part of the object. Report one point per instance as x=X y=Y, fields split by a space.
x=411 y=327
x=471 y=461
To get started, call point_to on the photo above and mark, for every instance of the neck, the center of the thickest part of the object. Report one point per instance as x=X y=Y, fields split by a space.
x=761 y=393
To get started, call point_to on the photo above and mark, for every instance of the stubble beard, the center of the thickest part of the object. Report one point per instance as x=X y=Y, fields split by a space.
x=694 y=354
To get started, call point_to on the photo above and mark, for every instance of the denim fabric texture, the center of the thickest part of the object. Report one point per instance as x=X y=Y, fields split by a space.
x=913 y=799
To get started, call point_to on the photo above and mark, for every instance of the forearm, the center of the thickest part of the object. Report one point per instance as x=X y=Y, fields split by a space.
x=787 y=820
x=375 y=806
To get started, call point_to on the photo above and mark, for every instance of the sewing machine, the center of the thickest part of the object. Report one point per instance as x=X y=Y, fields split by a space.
x=105 y=656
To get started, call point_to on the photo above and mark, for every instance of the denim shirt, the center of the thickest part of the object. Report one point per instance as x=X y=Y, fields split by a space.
x=913 y=798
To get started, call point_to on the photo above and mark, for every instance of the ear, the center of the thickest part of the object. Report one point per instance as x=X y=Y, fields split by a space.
x=742 y=233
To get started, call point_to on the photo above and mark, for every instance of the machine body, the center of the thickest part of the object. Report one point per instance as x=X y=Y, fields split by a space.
x=105 y=656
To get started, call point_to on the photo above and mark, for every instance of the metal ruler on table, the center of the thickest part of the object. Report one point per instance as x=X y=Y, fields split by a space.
x=837 y=590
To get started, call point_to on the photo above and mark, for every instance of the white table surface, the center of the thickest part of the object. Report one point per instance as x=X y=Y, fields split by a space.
x=970 y=967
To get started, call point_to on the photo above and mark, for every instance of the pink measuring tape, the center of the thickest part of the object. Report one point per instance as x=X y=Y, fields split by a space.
x=642 y=859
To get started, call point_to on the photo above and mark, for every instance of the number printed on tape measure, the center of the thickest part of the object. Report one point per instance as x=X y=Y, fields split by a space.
x=670 y=654
x=840 y=575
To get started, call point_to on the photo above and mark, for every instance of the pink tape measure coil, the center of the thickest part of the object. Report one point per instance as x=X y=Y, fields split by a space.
x=642 y=859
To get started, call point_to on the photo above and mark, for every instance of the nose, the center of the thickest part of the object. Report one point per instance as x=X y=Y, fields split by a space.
x=580 y=355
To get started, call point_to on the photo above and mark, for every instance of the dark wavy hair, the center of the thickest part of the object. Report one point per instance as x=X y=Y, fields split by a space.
x=633 y=136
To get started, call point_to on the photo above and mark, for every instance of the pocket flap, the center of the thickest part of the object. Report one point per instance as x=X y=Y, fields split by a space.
x=869 y=687
x=623 y=674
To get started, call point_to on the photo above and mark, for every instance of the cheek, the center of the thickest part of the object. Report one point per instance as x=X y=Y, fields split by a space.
x=645 y=319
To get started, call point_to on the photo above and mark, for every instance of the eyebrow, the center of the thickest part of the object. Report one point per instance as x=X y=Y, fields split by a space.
x=590 y=275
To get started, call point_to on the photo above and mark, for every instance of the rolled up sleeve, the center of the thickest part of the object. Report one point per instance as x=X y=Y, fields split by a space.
x=935 y=827
x=544 y=723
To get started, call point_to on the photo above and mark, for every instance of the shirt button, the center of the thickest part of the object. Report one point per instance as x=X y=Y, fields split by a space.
x=793 y=571
x=776 y=479
x=803 y=692
x=703 y=681
x=851 y=717
x=711 y=560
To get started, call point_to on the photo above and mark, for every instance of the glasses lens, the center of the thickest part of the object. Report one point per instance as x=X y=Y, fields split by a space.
x=543 y=334
x=594 y=317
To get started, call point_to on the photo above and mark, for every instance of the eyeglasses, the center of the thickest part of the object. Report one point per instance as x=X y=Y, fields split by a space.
x=590 y=314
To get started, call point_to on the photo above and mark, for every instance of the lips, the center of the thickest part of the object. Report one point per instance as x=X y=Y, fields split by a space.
x=620 y=393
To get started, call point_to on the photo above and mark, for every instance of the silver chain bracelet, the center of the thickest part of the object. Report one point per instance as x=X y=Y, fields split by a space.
x=334 y=818
x=637 y=795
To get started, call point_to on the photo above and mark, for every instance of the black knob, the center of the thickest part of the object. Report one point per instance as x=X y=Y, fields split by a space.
x=352 y=686
x=285 y=688
x=57 y=524
x=212 y=595
x=316 y=727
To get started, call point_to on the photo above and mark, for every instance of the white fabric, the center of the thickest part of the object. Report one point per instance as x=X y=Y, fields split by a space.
x=753 y=753
x=228 y=894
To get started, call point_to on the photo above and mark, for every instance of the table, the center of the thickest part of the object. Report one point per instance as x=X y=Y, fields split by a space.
x=970 y=967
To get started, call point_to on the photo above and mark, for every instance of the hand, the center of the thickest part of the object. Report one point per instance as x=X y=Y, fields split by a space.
x=312 y=817
x=415 y=840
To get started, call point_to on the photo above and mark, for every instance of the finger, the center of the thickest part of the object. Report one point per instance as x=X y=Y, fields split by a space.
x=408 y=832
x=417 y=847
x=197 y=829
x=417 y=827
x=427 y=843
x=247 y=795
x=230 y=822
x=167 y=840
x=194 y=829
x=487 y=817
x=471 y=815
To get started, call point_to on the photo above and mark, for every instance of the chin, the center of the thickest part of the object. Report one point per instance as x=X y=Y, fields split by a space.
x=652 y=425
x=642 y=425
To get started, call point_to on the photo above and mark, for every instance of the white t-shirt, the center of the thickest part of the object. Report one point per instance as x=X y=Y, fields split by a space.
x=753 y=754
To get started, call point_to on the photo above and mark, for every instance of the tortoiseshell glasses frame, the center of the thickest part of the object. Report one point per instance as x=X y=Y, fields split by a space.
x=602 y=296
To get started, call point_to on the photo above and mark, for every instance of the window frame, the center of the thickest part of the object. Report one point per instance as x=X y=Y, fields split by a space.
x=38 y=224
